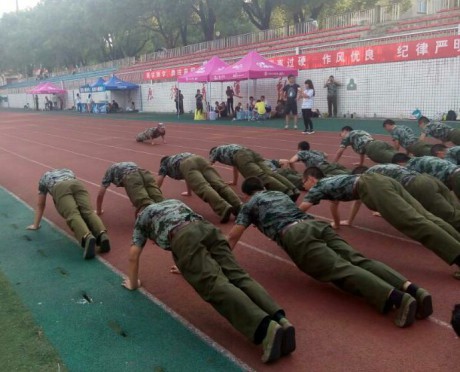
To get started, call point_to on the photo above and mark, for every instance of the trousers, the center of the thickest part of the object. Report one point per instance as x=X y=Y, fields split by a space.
x=436 y=198
x=402 y=211
x=205 y=182
x=319 y=252
x=380 y=151
x=205 y=260
x=142 y=188
x=251 y=164
x=73 y=203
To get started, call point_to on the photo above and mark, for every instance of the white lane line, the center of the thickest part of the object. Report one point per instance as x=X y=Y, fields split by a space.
x=213 y=344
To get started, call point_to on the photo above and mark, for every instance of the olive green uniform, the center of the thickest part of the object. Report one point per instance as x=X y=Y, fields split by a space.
x=72 y=201
x=205 y=260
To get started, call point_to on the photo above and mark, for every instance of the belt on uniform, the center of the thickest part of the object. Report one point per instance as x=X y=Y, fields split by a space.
x=178 y=228
x=286 y=228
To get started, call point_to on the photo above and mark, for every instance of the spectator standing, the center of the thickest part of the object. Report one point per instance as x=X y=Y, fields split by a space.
x=79 y=104
x=307 y=105
x=36 y=102
x=230 y=93
x=331 y=86
x=199 y=102
x=291 y=93
x=179 y=102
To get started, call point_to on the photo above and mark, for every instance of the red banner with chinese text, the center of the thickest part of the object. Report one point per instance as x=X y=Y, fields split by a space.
x=445 y=47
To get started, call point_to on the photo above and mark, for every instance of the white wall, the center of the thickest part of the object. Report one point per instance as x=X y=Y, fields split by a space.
x=386 y=90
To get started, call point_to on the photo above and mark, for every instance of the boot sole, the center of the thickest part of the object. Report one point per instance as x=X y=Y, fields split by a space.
x=275 y=350
x=90 y=249
x=288 y=344
x=424 y=307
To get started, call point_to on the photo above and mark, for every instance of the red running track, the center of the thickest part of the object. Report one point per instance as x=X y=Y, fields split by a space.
x=335 y=331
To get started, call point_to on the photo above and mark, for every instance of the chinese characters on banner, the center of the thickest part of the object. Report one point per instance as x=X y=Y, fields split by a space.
x=445 y=47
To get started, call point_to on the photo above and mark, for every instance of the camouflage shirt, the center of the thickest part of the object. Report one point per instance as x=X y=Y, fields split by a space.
x=224 y=154
x=150 y=133
x=357 y=139
x=339 y=188
x=437 y=130
x=397 y=172
x=52 y=177
x=117 y=172
x=311 y=158
x=270 y=212
x=436 y=167
x=157 y=220
x=404 y=135
x=171 y=166
x=453 y=155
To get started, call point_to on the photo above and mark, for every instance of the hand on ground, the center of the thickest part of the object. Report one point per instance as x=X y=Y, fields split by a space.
x=185 y=193
x=174 y=270
x=376 y=214
x=33 y=227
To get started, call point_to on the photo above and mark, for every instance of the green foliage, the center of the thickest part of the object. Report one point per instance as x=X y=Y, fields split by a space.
x=69 y=33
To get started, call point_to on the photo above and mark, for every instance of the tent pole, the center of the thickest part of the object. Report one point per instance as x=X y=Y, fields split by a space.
x=249 y=115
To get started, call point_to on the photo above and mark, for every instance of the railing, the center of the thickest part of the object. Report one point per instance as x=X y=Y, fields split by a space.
x=433 y=6
x=379 y=14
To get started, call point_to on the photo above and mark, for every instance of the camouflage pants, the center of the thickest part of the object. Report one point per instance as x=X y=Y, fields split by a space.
x=73 y=203
x=142 y=188
x=251 y=164
x=205 y=182
x=436 y=198
x=420 y=148
x=380 y=152
x=333 y=169
x=319 y=252
x=402 y=211
x=454 y=136
x=205 y=260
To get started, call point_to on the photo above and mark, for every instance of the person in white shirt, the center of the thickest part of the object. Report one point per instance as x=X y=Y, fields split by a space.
x=308 y=101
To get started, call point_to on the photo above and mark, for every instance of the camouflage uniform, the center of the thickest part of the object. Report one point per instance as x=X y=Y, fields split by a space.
x=251 y=164
x=386 y=196
x=317 y=250
x=434 y=196
x=290 y=174
x=443 y=170
x=407 y=139
x=72 y=201
x=203 y=179
x=442 y=132
x=453 y=155
x=139 y=183
x=150 y=134
x=363 y=143
x=313 y=158
x=205 y=260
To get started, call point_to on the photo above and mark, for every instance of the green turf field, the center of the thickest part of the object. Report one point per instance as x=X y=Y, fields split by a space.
x=50 y=293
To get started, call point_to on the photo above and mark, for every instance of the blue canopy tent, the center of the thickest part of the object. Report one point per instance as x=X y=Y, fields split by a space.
x=98 y=86
x=115 y=85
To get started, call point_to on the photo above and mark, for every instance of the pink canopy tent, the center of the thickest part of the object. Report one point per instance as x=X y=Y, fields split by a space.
x=202 y=74
x=252 y=66
x=46 y=88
